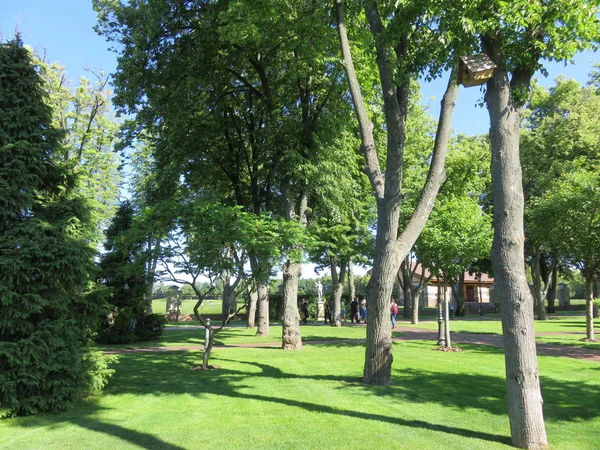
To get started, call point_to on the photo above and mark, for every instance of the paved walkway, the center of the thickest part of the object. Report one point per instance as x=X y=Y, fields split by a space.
x=408 y=334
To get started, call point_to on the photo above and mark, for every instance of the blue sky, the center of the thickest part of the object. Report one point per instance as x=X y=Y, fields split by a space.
x=64 y=29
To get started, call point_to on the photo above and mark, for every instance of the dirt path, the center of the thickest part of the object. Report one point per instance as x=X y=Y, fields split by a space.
x=408 y=334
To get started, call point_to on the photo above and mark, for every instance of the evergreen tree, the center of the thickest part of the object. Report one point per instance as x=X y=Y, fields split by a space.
x=48 y=307
x=123 y=270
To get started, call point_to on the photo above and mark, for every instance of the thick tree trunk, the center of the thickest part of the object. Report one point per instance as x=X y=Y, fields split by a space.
x=338 y=291
x=390 y=250
x=378 y=354
x=459 y=293
x=522 y=378
x=252 y=305
x=291 y=339
x=538 y=289
x=589 y=304
x=263 y=308
x=414 y=318
x=229 y=299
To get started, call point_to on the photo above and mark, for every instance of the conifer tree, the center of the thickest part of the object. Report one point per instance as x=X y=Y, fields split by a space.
x=48 y=307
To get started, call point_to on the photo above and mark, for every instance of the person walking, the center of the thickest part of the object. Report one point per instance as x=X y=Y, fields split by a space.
x=393 y=312
x=363 y=309
x=354 y=311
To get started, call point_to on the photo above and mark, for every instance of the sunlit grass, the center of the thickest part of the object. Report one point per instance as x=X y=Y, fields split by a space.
x=313 y=399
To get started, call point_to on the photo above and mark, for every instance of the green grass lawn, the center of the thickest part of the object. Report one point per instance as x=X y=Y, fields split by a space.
x=313 y=399
x=493 y=325
x=187 y=306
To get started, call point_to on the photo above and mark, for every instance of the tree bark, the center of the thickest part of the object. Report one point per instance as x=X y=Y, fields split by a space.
x=538 y=293
x=261 y=279
x=338 y=291
x=522 y=378
x=589 y=303
x=351 y=286
x=406 y=288
x=551 y=294
x=252 y=305
x=151 y=271
x=447 y=343
x=291 y=338
x=390 y=249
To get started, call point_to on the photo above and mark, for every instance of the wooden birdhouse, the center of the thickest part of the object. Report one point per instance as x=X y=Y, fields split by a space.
x=475 y=70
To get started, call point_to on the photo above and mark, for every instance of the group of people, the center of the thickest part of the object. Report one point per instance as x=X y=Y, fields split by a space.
x=358 y=311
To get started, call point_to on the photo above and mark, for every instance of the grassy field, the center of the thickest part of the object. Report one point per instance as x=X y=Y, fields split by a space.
x=491 y=324
x=187 y=306
x=270 y=399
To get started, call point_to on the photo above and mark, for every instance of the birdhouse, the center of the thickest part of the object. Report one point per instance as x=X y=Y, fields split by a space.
x=475 y=70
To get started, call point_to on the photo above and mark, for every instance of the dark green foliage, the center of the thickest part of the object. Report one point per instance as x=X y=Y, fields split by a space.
x=48 y=307
x=125 y=327
x=123 y=271
x=122 y=268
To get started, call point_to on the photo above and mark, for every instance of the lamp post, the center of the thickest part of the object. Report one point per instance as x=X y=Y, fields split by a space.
x=478 y=278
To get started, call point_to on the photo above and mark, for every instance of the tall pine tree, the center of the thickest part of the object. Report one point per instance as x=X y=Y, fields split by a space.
x=48 y=307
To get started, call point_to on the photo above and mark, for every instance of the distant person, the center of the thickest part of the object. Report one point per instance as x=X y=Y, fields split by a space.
x=363 y=309
x=343 y=311
x=304 y=309
x=393 y=312
x=354 y=306
x=452 y=310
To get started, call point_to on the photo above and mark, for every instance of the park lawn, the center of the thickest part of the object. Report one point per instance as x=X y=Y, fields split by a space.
x=193 y=335
x=487 y=325
x=268 y=398
x=571 y=340
x=186 y=334
x=159 y=306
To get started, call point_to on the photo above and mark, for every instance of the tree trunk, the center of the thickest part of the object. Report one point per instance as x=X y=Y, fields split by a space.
x=406 y=288
x=351 y=286
x=252 y=305
x=150 y=272
x=260 y=273
x=536 y=275
x=263 y=308
x=378 y=354
x=522 y=378
x=390 y=250
x=460 y=296
x=338 y=291
x=229 y=299
x=589 y=304
x=447 y=343
x=291 y=339
x=551 y=294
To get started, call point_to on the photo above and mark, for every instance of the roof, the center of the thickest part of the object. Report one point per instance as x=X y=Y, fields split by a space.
x=423 y=272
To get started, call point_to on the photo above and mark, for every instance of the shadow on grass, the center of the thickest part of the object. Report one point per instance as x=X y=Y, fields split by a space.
x=81 y=417
x=170 y=373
